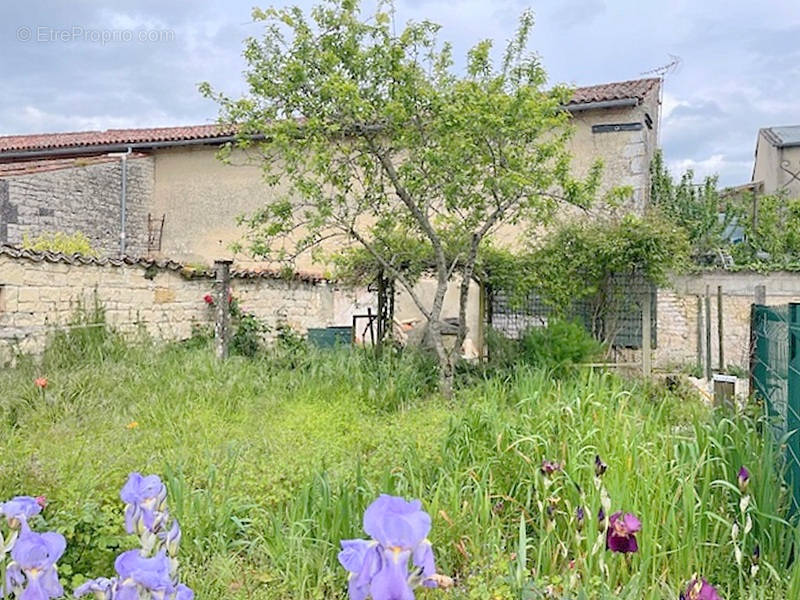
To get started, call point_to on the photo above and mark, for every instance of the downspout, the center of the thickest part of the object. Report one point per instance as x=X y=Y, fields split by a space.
x=123 y=200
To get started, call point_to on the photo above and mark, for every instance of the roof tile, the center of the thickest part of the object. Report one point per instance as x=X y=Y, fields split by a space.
x=637 y=89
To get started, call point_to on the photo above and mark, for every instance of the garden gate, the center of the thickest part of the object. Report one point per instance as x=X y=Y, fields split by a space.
x=775 y=377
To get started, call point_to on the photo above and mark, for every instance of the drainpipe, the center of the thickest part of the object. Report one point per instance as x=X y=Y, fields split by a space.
x=123 y=199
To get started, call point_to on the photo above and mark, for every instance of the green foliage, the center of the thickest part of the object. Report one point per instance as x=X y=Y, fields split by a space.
x=558 y=346
x=86 y=337
x=269 y=467
x=76 y=243
x=770 y=224
x=374 y=137
x=577 y=260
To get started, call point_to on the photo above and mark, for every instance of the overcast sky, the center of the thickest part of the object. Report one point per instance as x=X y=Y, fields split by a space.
x=739 y=69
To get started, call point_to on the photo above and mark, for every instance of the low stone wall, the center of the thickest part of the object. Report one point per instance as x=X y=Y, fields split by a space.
x=678 y=322
x=40 y=291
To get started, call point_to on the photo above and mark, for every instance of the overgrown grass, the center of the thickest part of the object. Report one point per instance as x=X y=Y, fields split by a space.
x=270 y=462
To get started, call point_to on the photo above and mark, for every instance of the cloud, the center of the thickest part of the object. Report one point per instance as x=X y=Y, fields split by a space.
x=740 y=63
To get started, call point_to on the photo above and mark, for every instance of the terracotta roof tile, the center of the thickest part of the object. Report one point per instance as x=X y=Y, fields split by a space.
x=636 y=89
x=45 y=141
x=17 y=252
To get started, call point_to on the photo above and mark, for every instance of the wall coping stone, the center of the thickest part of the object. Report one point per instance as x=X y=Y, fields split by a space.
x=19 y=253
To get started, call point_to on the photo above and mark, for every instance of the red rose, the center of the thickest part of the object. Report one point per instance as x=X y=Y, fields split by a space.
x=209 y=299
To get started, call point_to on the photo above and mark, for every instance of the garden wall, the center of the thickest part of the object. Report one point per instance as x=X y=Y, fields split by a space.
x=678 y=322
x=39 y=290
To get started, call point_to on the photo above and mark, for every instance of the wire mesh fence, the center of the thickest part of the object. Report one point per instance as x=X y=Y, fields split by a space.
x=617 y=319
x=775 y=378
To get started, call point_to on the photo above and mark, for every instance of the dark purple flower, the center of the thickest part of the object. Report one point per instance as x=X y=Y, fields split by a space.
x=700 y=589
x=601 y=519
x=621 y=534
x=549 y=467
x=102 y=588
x=137 y=571
x=145 y=499
x=18 y=510
x=580 y=515
x=744 y=478
x=599 y=466
x=35 y=554
x=380 y=568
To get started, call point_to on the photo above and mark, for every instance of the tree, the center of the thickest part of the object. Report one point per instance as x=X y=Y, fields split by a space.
x=378 y=137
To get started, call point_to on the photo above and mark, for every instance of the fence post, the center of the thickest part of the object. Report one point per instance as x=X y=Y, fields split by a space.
x=720 y=326
x=222 y=285
x=647 y=366
x=708 y=333
x=699 y=336
x=761 y=294
x=793 y=403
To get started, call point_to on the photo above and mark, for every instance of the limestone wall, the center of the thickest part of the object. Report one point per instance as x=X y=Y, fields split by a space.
x=678 y=318
x=40 y=291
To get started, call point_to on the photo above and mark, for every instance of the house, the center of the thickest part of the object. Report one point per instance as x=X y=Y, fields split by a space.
x=162 y=192
x=777 y=161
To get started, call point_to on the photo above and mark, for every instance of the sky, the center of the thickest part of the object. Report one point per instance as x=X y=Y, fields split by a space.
x=91 y=64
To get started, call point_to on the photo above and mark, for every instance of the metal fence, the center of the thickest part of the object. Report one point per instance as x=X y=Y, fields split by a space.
x=618 y=320
x=775 y=378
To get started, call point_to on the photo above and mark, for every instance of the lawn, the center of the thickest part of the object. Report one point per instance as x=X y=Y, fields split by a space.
x=270 y=461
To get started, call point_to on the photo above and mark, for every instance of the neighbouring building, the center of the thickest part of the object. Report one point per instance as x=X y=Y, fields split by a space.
x=777 y=161
x=163 y=193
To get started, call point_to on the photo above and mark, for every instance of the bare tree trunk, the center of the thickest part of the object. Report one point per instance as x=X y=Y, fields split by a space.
x=435 y=332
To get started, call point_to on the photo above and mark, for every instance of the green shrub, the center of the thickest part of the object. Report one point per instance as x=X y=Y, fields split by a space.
x=76 y=243
x=559 y=345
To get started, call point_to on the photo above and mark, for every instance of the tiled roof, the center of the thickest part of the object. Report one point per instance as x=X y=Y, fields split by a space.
x=636 y=89
x=46 y=141
x=166 y=265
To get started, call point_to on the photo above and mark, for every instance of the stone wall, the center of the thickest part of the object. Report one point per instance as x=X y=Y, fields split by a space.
x=41 y=291
x=678 y=318
x=83 y=196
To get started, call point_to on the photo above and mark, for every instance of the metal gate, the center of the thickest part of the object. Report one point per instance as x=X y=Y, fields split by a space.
x=775 y=378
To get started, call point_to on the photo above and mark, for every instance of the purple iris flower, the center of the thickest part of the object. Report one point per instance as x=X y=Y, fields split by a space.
x=700 y=589
x=145 y=499
x=102 y=588
x=35 y=555
x=580 y=515
x=183 y=592
x=599 y=466
x=19 y=510
x=549 y=467
x=380 y=567
x=172 y=538
x=744 y=478
x=136 y=571
x=622 y=528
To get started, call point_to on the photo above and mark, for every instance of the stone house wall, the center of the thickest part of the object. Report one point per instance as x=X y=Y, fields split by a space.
x=39 y=291
x=83 y=196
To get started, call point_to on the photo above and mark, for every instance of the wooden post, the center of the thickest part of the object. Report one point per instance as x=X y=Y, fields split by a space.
x=708 y=333
x=647 y=366
x=720 y=325
x=222 y=285
x=699 y=335
x=381 y=311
